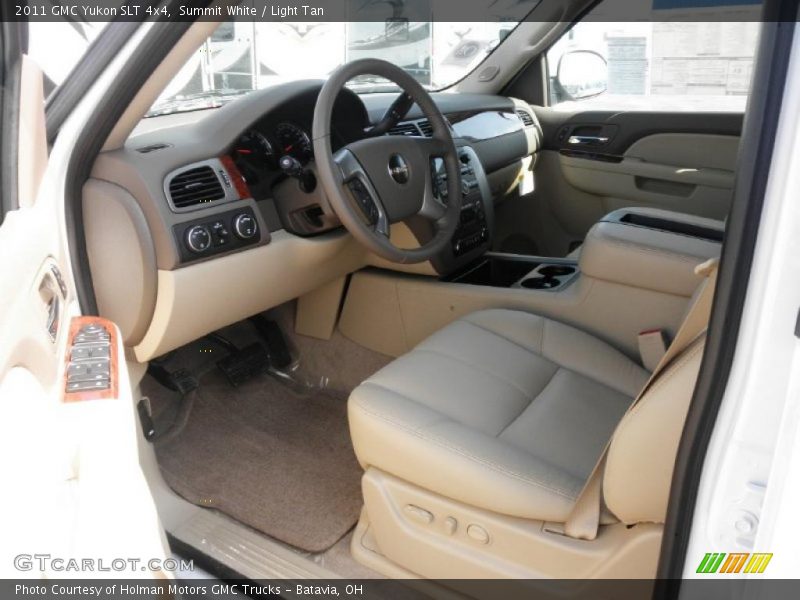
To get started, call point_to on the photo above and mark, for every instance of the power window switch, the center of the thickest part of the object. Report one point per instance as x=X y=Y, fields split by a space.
x=91 y=338
x=89 y=366
x=92 y=328
x=87 y=375
x=87 y=386
x=90 y=351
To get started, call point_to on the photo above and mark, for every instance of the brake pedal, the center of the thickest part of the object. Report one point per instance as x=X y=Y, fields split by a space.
x=244 y=364
x=279 y=355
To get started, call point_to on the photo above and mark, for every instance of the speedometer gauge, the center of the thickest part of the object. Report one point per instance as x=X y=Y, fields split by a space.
x=255 y=148
x=294 y=142
x=254 y=156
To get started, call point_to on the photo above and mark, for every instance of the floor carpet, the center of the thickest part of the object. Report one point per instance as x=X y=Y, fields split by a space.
x=267 y=456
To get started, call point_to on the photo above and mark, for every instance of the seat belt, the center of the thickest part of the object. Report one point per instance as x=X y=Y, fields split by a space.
x=584 y=520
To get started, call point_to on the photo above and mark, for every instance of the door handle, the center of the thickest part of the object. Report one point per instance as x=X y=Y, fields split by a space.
x=587 y=140
x=53 y=312
x=50 y=285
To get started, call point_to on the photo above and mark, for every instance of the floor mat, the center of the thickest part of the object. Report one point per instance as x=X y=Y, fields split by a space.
x=277 y=461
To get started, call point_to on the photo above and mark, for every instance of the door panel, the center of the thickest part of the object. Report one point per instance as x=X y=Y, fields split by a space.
x=594 y=163
x=667 y=176
x=69 y=463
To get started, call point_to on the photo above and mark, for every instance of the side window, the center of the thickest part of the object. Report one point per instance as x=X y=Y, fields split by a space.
x=658 y=66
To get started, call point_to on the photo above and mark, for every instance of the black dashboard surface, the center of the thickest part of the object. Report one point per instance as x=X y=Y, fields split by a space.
x=490 y=123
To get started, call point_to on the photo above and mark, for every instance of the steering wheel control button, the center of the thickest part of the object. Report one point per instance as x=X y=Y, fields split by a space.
x=198 y=238
x=362 y=196
x=245 y=226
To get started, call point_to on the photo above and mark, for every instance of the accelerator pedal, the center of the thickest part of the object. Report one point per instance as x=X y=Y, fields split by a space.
x=279 y=354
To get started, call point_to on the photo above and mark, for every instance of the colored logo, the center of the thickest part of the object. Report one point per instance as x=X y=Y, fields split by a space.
x=735 y=562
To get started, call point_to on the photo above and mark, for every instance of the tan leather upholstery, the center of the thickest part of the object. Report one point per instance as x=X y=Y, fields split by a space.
x=502 y=410
x=642 y=454
x=664 y=245
x=647 y=258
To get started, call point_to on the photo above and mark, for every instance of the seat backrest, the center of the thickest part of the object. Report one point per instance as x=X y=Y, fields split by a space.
x=641 y=457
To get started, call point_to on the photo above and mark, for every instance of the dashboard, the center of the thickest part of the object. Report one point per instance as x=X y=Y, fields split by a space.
x=216 y=228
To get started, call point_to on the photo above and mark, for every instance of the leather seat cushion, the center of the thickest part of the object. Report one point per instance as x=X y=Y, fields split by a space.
x=503 y=410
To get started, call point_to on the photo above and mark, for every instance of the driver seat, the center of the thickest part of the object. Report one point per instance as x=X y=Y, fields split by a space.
x=477 y=444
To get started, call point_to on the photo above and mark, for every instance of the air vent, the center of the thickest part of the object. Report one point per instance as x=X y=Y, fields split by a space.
x=152 y=148
x=526 y=117
x=195 y=186
x=426 y=127
x=407 y=128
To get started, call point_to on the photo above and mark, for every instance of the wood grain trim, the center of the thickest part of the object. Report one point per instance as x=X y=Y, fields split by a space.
x=112 y=392
x=236 y=177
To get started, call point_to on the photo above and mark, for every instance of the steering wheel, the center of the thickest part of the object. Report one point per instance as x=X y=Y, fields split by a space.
x=377 y=181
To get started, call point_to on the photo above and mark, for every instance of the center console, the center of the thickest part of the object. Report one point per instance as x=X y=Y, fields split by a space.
x=636 y=273
x=516 y=271
x=473 y=230
x=642 y=248
x=651 y=249
x=473 y=234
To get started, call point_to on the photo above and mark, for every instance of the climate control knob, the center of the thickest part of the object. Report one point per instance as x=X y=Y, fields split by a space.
x=198 y=238
x=245 y=226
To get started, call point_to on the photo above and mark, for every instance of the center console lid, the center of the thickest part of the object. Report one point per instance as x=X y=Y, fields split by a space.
x=651 y=249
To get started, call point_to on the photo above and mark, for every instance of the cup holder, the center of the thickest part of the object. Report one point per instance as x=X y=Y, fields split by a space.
x=556 y=270
x=540 y=283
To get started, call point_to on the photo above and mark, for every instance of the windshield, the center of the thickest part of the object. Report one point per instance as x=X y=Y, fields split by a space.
x=244 y=56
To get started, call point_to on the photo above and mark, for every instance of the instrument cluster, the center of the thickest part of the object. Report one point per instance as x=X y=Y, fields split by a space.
x=258 y=150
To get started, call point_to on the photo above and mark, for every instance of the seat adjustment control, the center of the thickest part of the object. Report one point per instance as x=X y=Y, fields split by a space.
x=477 y=534
x=450 y=525
x=420 y=515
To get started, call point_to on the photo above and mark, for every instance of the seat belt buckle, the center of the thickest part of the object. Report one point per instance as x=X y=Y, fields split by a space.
x=652 y=347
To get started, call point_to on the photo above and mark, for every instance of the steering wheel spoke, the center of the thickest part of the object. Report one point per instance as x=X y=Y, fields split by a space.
x=356 y=181
x=434 y=202
x=434 y=147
